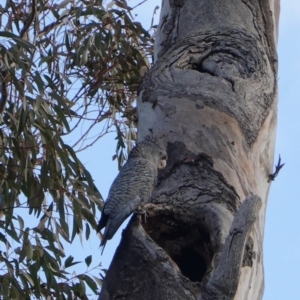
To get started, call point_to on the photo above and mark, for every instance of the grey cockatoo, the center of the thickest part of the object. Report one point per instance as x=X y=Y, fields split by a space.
x=133 y=185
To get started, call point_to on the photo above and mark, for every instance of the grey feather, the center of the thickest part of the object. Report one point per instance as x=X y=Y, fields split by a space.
x=133 y=185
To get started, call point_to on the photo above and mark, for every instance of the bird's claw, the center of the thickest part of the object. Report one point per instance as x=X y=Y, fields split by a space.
x=142 y=212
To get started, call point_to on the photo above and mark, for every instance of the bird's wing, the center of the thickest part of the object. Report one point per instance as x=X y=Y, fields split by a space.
x=136 y=178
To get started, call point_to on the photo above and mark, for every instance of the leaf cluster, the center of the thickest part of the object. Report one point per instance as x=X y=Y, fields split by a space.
x=76 y=66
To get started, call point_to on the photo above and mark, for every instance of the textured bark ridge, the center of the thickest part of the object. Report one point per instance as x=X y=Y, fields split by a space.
x=211 y=97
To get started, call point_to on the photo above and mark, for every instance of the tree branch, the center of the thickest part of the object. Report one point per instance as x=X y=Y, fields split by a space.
x=225 y=277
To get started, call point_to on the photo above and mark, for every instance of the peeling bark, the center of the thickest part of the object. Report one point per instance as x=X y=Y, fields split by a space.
x=211 y=97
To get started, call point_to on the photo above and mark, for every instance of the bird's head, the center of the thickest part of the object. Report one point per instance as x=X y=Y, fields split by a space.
x=151 y=149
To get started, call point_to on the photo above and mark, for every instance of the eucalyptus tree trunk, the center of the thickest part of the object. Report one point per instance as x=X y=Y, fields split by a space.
x=211 y=96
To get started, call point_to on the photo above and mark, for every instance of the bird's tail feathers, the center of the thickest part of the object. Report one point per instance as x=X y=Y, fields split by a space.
x=103 y=243
x=103 y=240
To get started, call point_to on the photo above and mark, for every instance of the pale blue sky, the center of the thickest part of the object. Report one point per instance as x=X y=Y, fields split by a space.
x=282 y=238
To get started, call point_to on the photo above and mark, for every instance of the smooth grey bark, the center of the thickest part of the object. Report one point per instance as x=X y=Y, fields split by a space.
x=211 y=97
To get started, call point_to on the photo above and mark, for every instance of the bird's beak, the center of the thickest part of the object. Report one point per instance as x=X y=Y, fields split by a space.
x=162 y=163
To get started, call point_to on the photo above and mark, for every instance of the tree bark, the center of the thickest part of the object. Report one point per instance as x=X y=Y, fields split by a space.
x=211 y=97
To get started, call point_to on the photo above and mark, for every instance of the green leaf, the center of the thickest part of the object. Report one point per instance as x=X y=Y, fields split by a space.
x=22 y=120
x=90 y=282
x=75 y=229
x=67 y=290
x=45 y=59
x=52 y=262
x=78 y=11
x=29 y=250
x=12 y=234
x=4 y=240
x=16 y=288
x=17 y=268
x=21 y=225
x=69 y=262
x=67 y=42
x=10 y=268
x=13 y=291
x=62 y=116
x=50 y=82
x=87 y=231
x=88 y=260
x=48 y=271
x=28 y=277
x=98 y=280
x=63 y=233
x=71 y=151
x=22 y=253
x=17 y=39
x=39 y=82
x=90 y=218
